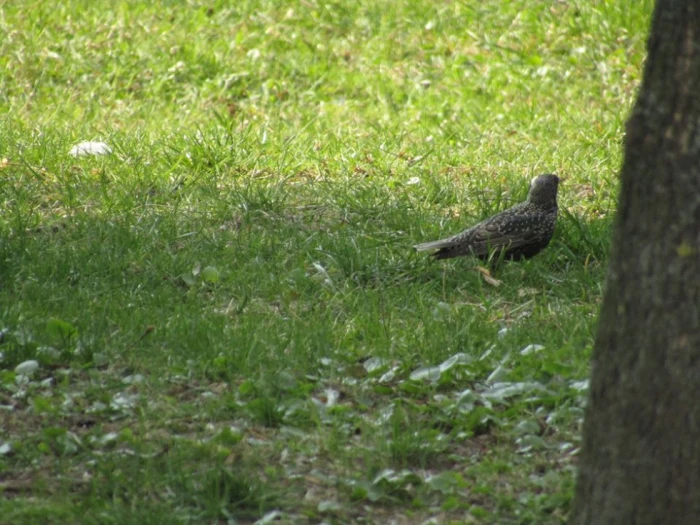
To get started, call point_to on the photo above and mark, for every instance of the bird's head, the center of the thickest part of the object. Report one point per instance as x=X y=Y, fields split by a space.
x=543 y=191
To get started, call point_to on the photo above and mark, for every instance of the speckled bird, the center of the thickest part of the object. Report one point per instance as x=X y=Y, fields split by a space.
x=519 y=232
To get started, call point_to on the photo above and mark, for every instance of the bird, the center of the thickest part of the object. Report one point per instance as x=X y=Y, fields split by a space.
x=517 y=233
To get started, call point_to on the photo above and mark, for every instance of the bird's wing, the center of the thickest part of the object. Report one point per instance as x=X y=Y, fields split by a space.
x=515 y=232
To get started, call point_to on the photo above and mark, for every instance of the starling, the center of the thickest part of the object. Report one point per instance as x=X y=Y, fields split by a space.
x=519 y=232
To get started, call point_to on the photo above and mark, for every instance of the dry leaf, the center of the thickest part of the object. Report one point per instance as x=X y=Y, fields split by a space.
x=486 y=274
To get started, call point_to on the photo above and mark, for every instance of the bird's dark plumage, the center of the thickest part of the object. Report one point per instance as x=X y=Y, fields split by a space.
x=519 y=232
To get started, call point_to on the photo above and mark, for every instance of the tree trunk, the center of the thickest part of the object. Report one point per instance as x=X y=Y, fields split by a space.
x=640 y=462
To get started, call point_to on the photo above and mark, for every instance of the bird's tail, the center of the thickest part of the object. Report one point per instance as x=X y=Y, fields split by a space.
x=434 y=245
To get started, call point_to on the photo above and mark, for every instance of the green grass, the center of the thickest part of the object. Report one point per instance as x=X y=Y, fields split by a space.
x=300 y=148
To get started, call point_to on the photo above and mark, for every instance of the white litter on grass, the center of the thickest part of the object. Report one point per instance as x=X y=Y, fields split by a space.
x=499 y=374
x=107 y=439
x=433 y=373
x=329 y=399
x=389 y=376
x=90 y=148
x=581 y=386
x=27 y=368
x=501 y=391
x=270 y=517
x=134 y=379
x=123 y=401
x=375 y=363
x=531 y=349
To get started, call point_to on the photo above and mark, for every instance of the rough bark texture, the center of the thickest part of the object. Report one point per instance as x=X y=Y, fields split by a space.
x=640 y=462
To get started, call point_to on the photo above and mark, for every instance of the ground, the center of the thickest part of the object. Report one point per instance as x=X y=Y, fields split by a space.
x=228 y=319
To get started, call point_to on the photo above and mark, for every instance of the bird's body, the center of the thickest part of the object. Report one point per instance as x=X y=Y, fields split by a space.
x=518 y=232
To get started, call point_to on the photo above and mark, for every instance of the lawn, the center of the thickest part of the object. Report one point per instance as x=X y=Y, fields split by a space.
x=223 y=320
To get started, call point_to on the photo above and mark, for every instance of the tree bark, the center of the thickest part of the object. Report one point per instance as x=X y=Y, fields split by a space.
x=640 y=462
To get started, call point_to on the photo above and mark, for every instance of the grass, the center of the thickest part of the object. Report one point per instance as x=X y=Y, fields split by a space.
x=320 y=369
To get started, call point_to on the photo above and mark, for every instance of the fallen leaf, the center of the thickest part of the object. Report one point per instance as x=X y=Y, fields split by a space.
x=486 y=274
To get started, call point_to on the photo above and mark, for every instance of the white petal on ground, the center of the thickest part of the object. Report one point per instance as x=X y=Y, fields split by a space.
x=90 y=148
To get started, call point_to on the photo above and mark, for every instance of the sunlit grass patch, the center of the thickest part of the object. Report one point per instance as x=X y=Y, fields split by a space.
x=223 y=319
